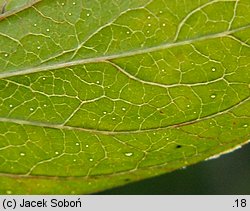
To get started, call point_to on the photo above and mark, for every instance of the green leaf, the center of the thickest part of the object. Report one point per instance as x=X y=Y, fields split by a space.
x=96 y=94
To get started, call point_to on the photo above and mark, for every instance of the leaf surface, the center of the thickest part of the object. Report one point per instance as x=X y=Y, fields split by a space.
x=96 y=94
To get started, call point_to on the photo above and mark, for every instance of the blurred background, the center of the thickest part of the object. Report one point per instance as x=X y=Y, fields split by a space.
x=229 y=174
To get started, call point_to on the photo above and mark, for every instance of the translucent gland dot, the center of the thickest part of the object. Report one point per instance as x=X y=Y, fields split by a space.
x=35 y=24
x=63 y=4
x=213 y=69
x=97 y=82
x=44 y=79
x=74 y=160
x=6 y=55
x=22 y=154
x=44 y=105
x=90 y=159
x=138 y=117
x=70 y=13
x=104 y=112
x=163 y=70
x=154 y=134
x=149 y=24
x=149 y=17
x=93 y=119
x=213 y=96
x=188 y=106
x=47 y=30
x=160 y=12
x=56 y=153
x=195 y=112
x=113 y=118
x=210 y=123
x=163 y=24
x=31 y=109
x=77 y=144
x=128 y=154
x=128 y=32
x=148 y=32
x=88 y=14
x=38 y=47
x=167 y=138
x=11 y=106
x=86 y=145
x=74 y=3
x=124 y=109
x=245 y=125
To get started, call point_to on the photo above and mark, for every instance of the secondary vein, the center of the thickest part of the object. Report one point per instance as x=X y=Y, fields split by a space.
x=105 y=132
x=121 y=55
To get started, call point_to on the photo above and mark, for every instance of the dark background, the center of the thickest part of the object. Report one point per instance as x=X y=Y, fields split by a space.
x=229 y=174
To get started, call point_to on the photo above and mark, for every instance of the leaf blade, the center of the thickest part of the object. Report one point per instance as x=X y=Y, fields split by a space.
x=121 y=101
